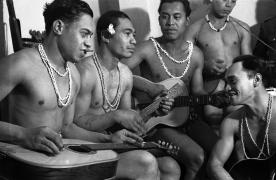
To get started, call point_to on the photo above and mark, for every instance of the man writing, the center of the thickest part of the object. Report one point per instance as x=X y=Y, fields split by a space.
x=253 y=124
x=221 y=38
x=105 y=97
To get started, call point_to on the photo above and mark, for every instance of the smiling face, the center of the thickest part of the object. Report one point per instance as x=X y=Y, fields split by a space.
x=76 y=38
x=222 y=8
x=172 y=20
x=239 y=84
x=122 y=43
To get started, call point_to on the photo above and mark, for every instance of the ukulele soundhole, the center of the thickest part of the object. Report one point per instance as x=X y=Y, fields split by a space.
x=80 y=149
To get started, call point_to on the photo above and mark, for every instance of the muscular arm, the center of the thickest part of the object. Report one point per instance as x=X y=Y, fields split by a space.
x=222 y=150
x=246 y=40
x=197 y=79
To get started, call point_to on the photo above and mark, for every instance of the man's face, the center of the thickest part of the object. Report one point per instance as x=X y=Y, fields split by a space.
x=76 y=38
x=172 y=20
x=223 y=8
x=122 y=43
x=239 y=84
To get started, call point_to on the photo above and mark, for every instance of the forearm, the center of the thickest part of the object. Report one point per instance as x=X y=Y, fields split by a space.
x=217 y=172
x=142 y=84
x=93 y=122
x=11 y=133
x=73 y=131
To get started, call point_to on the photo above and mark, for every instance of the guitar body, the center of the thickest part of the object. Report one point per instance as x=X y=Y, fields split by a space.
x=178 y=115
x=20 y=163
x=254 y=169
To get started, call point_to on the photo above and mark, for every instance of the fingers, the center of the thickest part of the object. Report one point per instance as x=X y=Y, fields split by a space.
x=49 y=146
x=131 y=137
x=55 y=138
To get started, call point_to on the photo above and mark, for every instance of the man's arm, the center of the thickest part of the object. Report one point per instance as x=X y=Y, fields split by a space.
x=222 y=150
x=191 y=32
x=197 y=79
x=246 y=39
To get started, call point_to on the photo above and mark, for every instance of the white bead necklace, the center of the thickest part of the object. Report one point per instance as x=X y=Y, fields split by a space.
x=111 y=106
x=215 y=29
x=62 y=102
x=188 y=58
x=266 y=140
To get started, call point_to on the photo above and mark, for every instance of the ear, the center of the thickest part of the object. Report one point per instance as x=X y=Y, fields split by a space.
x=105 y=35
x=257 y=80
x=58 y=26
x=187 y=21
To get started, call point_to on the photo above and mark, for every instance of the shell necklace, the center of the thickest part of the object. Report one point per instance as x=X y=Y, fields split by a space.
x=62 y=102
x=188 y=58
x=212 y=27
x=265 y=141
x=110 y=106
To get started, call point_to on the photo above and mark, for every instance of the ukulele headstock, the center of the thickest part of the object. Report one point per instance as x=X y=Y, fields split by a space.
x=170 y=148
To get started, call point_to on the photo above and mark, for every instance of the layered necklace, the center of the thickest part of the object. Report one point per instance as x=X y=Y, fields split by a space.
x=215 y=29
x=266 y=140
x=108 y=105
x=62 y=102
x=187 y=59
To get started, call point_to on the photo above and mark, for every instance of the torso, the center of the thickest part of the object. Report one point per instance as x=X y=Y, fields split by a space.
x=257 y=131
x=33 y=101
x=158 y=73
x=111 y=79
x=221 y=46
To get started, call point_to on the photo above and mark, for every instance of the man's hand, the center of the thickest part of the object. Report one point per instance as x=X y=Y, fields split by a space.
x=216 y=66
x=221 y=99
x=42 y=139
x=125 y=136
x=131 y=120
x=165 y=106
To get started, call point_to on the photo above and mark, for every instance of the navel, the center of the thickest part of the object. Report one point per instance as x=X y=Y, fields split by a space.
x=206 y=45
x=41 y=102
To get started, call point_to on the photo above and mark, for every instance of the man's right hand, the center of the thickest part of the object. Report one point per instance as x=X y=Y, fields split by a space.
x=216 y=66
x=131 y=120
x=156 y=89
x=125 y=136
x=42 y=139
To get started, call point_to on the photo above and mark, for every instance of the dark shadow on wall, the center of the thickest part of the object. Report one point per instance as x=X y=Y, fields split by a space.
x=2 y=31
x=264 y=10
x=141 y=22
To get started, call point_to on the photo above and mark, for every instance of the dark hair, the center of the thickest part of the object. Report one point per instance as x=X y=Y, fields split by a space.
x=65 y=10
x=253 y=65
x=185 y=3
x=110 y=17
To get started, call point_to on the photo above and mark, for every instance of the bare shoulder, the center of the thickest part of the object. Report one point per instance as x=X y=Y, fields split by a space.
x=86 y=67
x=145 y=48
x=194 y=27
x=197 y=55
x=232 y=121
x=21 y=62
x=242 y=26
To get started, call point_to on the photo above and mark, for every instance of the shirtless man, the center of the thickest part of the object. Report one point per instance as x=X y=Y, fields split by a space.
x=221 y=38
x=254 y=123
x=169 y=56
x=42 y=83
x=106 y=92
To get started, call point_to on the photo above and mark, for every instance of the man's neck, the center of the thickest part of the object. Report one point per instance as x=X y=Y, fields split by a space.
x=172 y=45
x=214 y=18
x=54 y=54
x=107 y=59
x=257 y=107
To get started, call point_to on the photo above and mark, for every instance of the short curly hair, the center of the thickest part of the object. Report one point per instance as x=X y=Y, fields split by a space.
x=185 y=3
x=66 y=10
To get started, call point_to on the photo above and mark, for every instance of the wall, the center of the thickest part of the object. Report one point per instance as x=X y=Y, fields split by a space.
x=32 y=18
x=143 y=13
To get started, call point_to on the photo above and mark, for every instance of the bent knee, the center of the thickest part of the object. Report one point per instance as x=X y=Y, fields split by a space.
x=196 y=161
x=169 y=166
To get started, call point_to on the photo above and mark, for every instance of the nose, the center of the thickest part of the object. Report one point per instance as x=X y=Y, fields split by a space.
x=228 y=3
x=133 y=40
x=227 y=87
x=170 y=21
x=88 y=43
